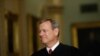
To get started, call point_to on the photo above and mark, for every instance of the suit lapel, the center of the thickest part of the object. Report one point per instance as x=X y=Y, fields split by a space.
x=57 y=50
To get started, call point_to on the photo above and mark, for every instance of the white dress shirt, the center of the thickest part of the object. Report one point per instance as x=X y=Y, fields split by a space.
x=53 y=47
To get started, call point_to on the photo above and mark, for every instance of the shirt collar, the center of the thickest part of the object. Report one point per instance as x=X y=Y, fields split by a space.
x=53 y=48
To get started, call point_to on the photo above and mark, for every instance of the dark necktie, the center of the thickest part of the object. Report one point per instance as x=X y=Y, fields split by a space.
x=50 y=51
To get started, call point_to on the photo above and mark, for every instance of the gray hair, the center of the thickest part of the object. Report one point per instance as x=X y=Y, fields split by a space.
x=53 y=22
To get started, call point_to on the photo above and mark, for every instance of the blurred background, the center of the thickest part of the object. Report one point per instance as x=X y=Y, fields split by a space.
x=79 y=23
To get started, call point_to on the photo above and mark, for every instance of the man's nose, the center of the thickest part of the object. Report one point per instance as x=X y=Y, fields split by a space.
x=41 y=33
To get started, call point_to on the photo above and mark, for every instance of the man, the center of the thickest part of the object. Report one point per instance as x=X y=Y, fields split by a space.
x=49 y=35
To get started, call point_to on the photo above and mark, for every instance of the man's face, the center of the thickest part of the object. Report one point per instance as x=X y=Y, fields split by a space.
x=46 y=33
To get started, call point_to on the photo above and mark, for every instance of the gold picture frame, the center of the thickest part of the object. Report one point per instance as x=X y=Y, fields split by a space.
x=76 y=26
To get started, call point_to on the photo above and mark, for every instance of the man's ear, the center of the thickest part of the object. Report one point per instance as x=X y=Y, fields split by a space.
x=56 y=31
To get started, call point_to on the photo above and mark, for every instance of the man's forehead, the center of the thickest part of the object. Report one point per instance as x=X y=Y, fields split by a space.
x=45 y=25
x=46 y=22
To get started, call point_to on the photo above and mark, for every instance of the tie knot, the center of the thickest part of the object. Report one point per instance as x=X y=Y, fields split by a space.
x=50 y=51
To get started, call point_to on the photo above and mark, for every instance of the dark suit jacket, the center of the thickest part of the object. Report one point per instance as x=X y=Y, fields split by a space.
x=61 y=50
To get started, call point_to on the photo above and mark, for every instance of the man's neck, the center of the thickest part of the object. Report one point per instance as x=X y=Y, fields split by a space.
x=54 y=46
x=51 y=44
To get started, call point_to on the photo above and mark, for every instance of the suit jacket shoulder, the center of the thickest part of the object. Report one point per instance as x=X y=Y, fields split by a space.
x=65 y=50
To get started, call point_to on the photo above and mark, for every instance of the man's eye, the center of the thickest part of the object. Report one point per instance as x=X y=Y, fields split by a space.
x=44 y=30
